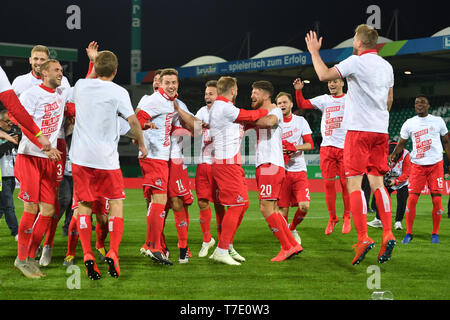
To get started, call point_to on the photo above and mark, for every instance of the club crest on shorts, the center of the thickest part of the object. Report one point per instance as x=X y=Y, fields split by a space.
x=239 y=199
x=26 y=196
x=158 y=182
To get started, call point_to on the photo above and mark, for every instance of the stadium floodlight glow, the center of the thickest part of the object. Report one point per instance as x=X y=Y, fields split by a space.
x=408 y=72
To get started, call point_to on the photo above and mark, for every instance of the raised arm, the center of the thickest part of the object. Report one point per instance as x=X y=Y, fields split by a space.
x=323 y=72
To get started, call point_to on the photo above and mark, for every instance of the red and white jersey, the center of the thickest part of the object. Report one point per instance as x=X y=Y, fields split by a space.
x=294 y=128
x=5 y=85
x=269 y=147
x=225 y=133
x=28 y=80
x=425 y=133
x=161 y=111
x=369 y=78
x=176 y=138
x=46 y=106
x=207 y=150
x=331 y=126
x=96 y=132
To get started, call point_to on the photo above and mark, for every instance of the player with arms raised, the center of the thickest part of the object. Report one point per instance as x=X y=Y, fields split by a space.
x=370 y=81
x=332 y=107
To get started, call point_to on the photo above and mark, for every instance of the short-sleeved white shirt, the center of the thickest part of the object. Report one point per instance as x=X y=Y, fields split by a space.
x=269 y=147
x=369 y=78
x=226 y=134
x=4 y=81
x=96 y=132
x=293 y=131
x=425 y=133
x=207 y=150
x=46 y=107
x=331 y=126
x=161 y=111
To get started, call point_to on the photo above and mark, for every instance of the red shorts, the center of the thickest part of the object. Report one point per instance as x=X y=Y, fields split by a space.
x=366 y=152
x=332 y=162
x=100 y=206
x=155 y=175
x=204 y=184
x=432 y=175
x=90 y=184
x=269 y=179
x=294 y=189
x=37 y=177
x=179 y=182
x=61 y=164
x=231 y=184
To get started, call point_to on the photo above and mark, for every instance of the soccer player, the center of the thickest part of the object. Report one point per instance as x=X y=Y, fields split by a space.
x=296 y=139
x=159 y=108
x=426 y=132
x=332 y=147
x=95 y=160
x=228 y=175
x=100 y=208
x=203 y=178
x=36 y=170
x=397 y=179
x=370 y=82
x=12 y=104
x=270 y=172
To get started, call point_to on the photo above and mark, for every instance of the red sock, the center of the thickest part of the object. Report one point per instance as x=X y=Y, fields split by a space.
x=286 y=230
x=384 y=208
x=39 y=229
x=277 y=229
x=345 y=196
x=101 y=231
x=229 y=226
x=220 y=213
x=147 y=239
x=84 y=228
x=205 y=224
x=72 y=238
x=25 y=230
x=241 y=217
x=298 y=217
x=51 y=231
x=330 y=198
x=115 y=228
x=437 y=214
x=359 y=213
x=156 y=216
x=411 y=211
x=182 y=225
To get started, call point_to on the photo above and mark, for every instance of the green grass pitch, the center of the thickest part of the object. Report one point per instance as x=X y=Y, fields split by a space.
x=322 y=272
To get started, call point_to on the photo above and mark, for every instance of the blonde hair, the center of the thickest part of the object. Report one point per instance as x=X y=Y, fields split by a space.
x=168 y=72
x=40 y=48
x=285 y=94
x=367 y=35
x=46 y=64
x=106 y=63
x=225 y=84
